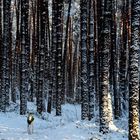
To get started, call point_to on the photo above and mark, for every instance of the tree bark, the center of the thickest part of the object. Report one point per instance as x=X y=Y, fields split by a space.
x=134 y=73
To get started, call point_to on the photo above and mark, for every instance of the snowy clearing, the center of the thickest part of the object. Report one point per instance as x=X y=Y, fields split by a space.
x=68 y=127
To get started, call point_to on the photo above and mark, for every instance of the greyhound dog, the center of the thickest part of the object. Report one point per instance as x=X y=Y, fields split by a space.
x=30 y=120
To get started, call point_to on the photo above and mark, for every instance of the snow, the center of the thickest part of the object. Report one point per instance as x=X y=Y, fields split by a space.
x=67 y=127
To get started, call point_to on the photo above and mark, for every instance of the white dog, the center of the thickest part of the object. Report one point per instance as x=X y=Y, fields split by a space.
x=30 y=120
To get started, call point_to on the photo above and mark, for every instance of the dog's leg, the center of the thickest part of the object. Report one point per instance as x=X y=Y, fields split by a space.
x=28 y=129
x=32 y=128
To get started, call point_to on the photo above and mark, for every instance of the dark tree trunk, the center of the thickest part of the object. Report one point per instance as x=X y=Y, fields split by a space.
x=96 y=78
x=75 y=72
x=5 y=51
x=41 y=45
x=64 y=69
x=123 y=57
x=59 y=58
x=53 y=50
x=70 y=95
x=113 y=63
x=91 y=61
x=105 y=46
x=84 y=72
x=24 y=56
x=1 y=53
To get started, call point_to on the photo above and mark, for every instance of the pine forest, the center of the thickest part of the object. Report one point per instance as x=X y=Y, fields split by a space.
x=74 y=65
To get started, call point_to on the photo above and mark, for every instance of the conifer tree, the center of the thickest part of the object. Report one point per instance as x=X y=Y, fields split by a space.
x=84 y=72
x=24 y=57
x=59 y=31
x=5 y=54
x=105 y=46
x=133 y=72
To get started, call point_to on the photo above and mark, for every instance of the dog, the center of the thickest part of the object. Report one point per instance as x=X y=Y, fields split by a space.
x=30 y=120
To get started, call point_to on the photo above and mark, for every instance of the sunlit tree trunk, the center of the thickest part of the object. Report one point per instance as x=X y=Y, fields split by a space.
x=133 y=72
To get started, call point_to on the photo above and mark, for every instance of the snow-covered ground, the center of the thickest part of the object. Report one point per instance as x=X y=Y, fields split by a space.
x=68 y=127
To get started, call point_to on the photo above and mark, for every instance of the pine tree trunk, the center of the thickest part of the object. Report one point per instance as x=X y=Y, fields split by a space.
x=91 y=61
x=64 y=68
x=84 y=72
x=59 y=58
x=13 y=84
x=13 y=64
x=41 y=45
x=47 y=61
x=17 y=47
x=114 y=58
x=123 y=57
x=34 y=48
x=133 y=72
x=99 y=22
x=34 y=52
x=70 y=96
x=75 y=73
x=1 y=53
x=96 y=81
x=105 y=46
x=24 y=56
x=54 y=43
x=6 y=49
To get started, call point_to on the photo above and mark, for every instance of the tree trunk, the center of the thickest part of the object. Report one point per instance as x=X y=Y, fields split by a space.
x=84 y=72
x=105 y=46
x=59 y=58
x=41 y=45
x=134 y=73
x=6 y=49
x=54 y=44
x=1 y=58
x=91 y=61
x=24 y=57
x=64 y=68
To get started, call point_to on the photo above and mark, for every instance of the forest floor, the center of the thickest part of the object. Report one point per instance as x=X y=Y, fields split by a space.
x=49 y=127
